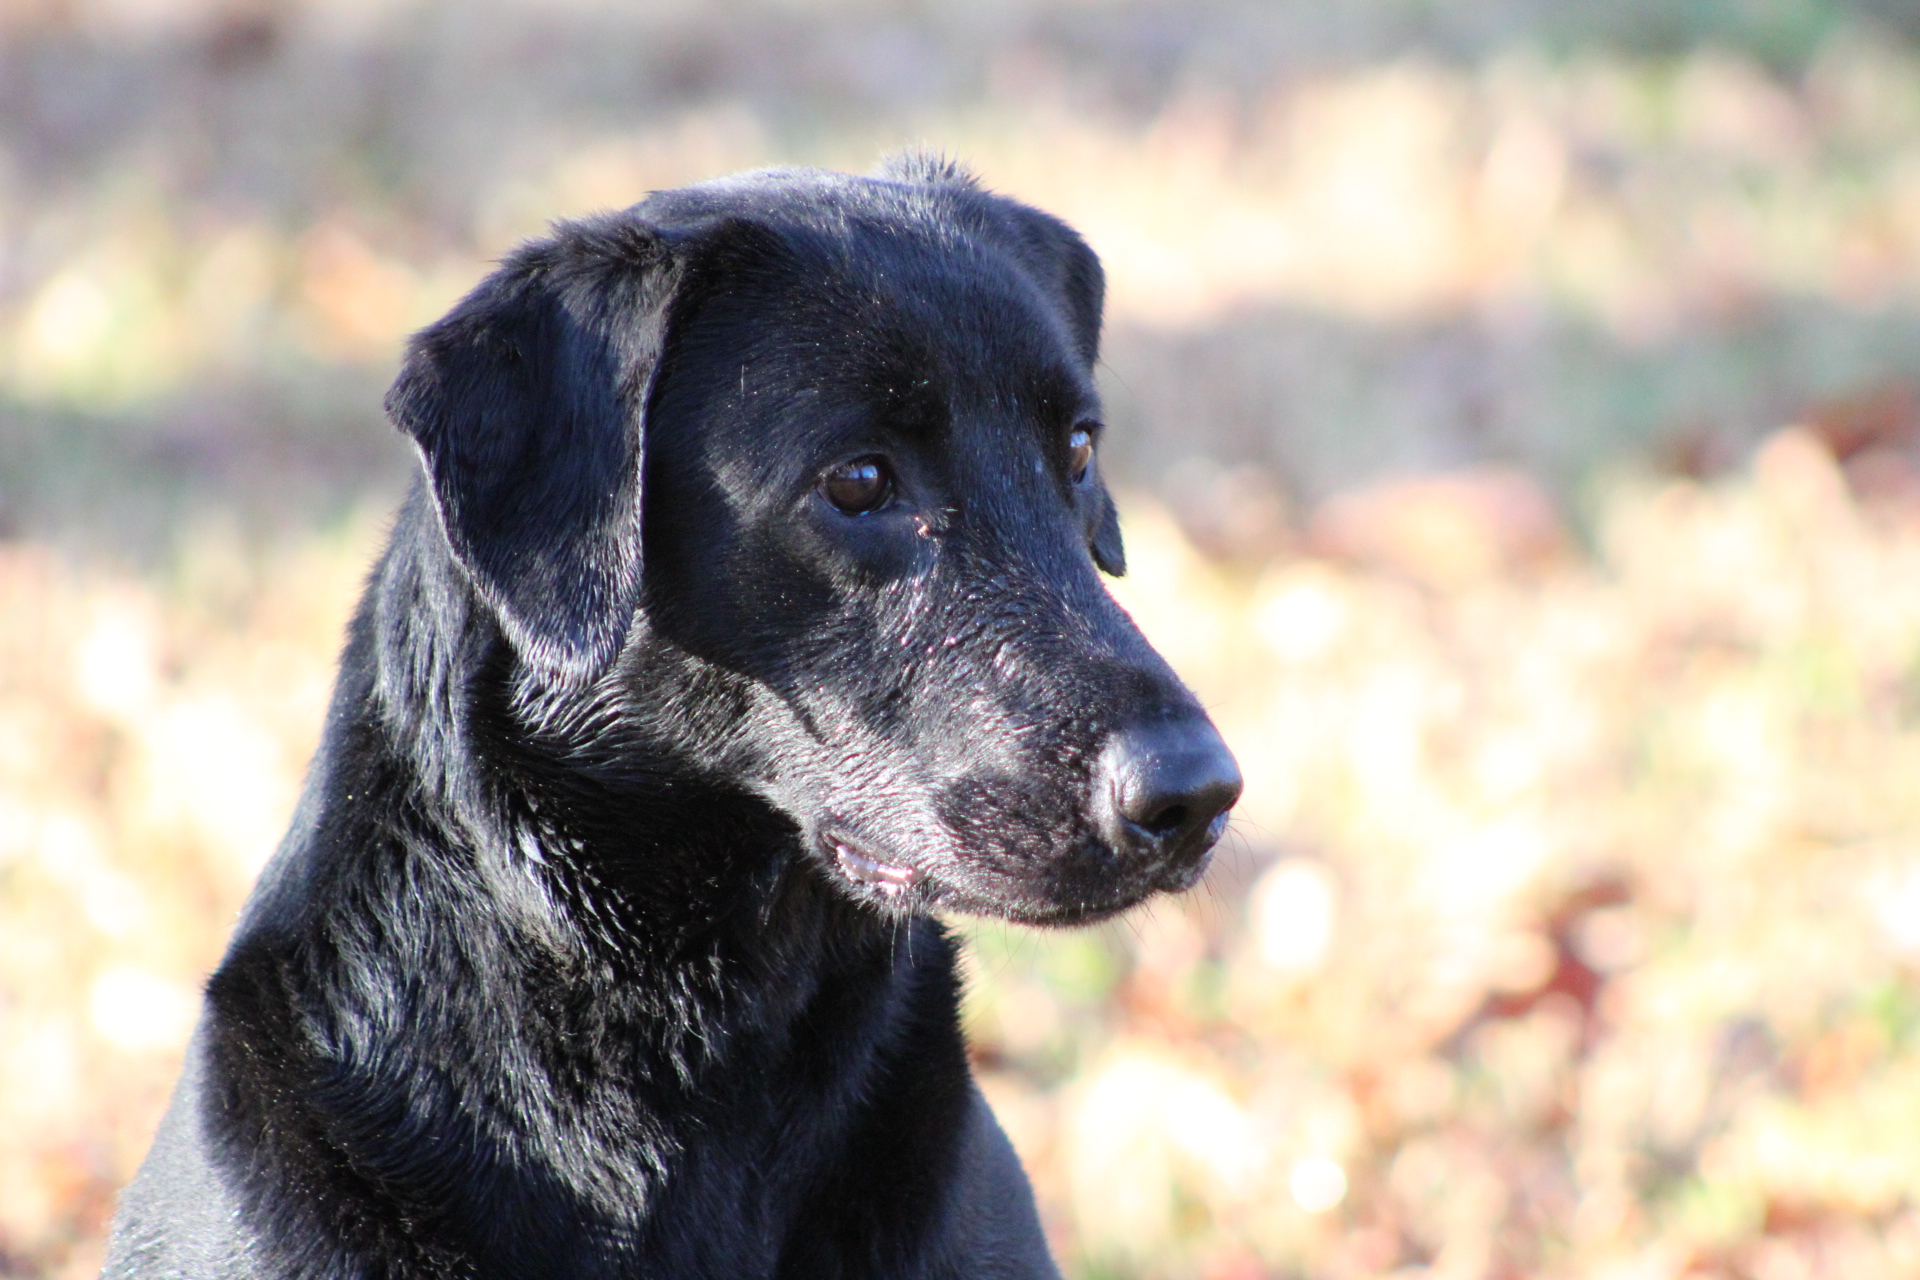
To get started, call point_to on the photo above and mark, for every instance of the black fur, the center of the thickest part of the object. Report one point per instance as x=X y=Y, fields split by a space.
x=567 y=966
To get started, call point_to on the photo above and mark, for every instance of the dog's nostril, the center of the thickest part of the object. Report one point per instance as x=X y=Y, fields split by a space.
x=1167 y=821
x=1166 y=785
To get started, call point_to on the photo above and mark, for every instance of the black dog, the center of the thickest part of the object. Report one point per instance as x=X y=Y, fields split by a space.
x=746 y=615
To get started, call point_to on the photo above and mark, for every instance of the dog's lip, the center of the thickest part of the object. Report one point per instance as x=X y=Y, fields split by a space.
x=862 y=867
x=1068 y=913
x=1072 y=904
x=1182 y=878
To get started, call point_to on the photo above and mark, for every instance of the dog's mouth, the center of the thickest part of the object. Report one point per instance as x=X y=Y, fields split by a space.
x=861 y=866
x=1090 y=892
x=1100 y=895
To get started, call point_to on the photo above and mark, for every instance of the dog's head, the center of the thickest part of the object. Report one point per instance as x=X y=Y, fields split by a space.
x=835 y=441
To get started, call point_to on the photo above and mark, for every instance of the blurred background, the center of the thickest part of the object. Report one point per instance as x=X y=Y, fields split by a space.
x=1517 y=409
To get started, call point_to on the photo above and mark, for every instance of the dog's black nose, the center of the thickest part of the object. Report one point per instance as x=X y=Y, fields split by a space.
x=1164 y=788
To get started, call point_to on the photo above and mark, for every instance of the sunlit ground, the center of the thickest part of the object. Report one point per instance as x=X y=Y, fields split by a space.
x=1569 y=926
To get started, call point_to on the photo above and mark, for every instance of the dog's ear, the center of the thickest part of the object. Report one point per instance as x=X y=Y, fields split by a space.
x=1109 y=552
x=525 y=402
x=1060 y=262
x=1067 y=268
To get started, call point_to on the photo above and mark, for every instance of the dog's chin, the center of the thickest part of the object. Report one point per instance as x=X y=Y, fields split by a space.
x=1054 y=896
x=1051 y=909
x=1084 y=901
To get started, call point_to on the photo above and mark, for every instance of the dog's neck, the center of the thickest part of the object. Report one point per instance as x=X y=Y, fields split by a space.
x=656 y=944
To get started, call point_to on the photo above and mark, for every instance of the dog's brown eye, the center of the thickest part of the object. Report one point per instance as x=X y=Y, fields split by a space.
x=1079 y=454
x=858 y=487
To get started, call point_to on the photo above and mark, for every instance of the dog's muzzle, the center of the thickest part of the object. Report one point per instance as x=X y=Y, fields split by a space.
x=1161 y=797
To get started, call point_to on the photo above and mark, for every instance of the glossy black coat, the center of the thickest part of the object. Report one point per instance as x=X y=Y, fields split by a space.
x=564 y=968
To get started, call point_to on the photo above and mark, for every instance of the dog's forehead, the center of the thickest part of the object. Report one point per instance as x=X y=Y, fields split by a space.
x=852 y=283
x=913 y=317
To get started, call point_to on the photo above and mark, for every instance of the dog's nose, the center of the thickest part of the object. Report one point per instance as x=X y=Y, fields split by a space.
x=1165 y=789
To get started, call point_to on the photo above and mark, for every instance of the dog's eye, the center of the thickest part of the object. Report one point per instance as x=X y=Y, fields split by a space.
x=1079 y=454
x=858 y=487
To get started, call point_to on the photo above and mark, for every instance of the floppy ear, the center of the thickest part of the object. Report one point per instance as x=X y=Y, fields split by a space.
x=1108 y=551
x=1066 y=269
x=525 y=402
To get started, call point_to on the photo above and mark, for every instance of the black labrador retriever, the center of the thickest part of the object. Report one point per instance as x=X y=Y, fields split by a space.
x=746 y=615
